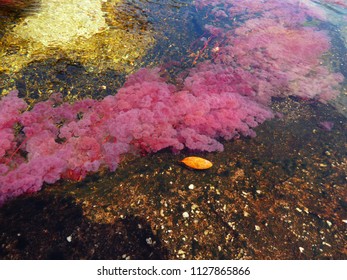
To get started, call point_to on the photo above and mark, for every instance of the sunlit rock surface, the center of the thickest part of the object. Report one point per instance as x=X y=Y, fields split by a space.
x=61 y=23
x=76 y=29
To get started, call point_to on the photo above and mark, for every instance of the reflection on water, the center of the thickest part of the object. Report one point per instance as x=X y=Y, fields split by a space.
x=87 y=31
x=78 y=61
x=336 y=14
x=61 y=23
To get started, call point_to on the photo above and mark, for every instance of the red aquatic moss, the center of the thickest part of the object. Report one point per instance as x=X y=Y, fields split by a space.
x=147 y=114
x=282 y=58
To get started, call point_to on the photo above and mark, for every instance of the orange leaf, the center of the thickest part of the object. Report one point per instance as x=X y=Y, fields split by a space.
x=197 y=163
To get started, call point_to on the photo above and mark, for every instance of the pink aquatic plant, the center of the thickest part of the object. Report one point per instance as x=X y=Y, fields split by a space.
x=326 y=125
x=147 y=114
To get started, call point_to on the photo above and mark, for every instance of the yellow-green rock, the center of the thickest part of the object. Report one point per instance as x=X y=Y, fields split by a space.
x=85 y=31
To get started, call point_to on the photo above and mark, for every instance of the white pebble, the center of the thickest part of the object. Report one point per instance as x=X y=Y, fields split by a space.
x=327 y=244
x=69 y=238
x=185 y=215
x=191 y=187
x=149 y=241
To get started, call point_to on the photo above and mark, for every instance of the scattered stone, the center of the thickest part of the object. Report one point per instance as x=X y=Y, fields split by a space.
x=327 y=244
x=162 y=213
x=194 y=207
x=149 y=241
x=185 y=215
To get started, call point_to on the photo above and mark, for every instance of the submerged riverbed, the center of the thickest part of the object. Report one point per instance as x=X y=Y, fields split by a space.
x=227 y=70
